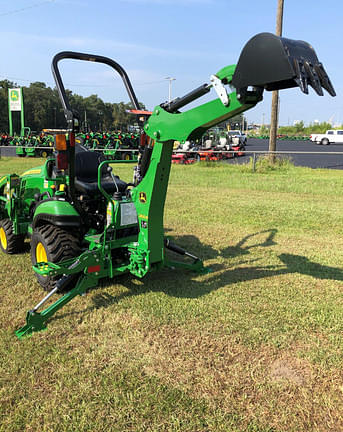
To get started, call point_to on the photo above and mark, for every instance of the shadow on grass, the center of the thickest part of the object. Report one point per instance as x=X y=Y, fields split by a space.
x=302 y=265
x=242 y=248
x=185 y=284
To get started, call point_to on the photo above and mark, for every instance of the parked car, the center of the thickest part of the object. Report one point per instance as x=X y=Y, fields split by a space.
x=330 y=137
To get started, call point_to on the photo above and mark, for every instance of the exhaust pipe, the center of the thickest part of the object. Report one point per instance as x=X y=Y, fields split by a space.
x=273 y=63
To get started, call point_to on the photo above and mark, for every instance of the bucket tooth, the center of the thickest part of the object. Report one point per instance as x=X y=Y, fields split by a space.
x=313 y=78
x=272 y=62
x=324 y=79
x=300 y=77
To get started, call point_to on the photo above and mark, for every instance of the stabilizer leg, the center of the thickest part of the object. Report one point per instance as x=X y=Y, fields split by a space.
x=37 y=321
x=197 y=265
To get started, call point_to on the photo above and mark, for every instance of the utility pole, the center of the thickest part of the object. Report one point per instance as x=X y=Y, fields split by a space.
x=170 y=79
x=275 y=93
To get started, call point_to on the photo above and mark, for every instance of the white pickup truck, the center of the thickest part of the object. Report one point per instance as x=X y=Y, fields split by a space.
x=330 y=137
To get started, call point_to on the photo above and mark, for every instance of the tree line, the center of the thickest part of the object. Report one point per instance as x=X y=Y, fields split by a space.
x=299 y=129
x=43 y=109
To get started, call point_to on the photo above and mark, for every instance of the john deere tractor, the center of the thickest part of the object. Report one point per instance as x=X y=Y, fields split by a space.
x=85 y=224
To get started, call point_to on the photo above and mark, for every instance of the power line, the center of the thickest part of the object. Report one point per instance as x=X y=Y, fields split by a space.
x=25 y=8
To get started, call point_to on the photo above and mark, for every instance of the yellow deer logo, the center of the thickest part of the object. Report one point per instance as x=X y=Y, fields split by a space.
x=14 y=95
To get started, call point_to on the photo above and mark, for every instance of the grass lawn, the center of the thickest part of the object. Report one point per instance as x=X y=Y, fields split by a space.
x=255 y=345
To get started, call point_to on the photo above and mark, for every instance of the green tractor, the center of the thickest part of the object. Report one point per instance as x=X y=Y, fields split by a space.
x=111 y=147
x=19 y=143
x=32 y=144
x=85 y=223
x=46 y=144
x=22 y=141
x=129 y=145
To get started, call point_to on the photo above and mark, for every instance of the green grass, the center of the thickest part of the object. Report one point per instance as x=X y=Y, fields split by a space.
x=255 y=345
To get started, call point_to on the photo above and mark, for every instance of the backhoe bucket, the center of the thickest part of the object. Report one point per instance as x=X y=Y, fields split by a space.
x=273 y=63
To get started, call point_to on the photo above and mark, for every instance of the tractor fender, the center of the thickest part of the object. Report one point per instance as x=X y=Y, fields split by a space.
x=56 y=212
x=3 y=181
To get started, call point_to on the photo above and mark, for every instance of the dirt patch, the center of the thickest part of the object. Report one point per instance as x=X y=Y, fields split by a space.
x=291 y=370
x=268 y=386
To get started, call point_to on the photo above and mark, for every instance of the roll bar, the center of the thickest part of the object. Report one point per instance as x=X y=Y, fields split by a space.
x=68 y=112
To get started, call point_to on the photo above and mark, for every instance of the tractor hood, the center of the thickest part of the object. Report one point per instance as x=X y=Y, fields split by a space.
x=33 y=172
x=274 y=63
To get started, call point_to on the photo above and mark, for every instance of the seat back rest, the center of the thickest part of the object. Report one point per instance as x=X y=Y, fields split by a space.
x=87 y=164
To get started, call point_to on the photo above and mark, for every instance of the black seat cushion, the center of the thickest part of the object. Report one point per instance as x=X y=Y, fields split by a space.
x=109 y=185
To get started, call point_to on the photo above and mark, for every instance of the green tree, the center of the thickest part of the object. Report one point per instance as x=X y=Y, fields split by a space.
x=300 y=129
x=43 y=109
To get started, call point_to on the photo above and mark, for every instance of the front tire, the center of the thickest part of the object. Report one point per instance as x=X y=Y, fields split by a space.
x=325 y=141
x=51 y=243
x=10 y=243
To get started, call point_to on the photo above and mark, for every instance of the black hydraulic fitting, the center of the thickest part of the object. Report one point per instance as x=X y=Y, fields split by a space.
x=117 y=196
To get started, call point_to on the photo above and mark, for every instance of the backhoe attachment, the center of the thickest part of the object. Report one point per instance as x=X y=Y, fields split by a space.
x=274 y=63
x=132 y=237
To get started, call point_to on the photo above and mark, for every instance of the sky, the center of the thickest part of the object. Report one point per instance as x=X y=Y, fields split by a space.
x=188 y=40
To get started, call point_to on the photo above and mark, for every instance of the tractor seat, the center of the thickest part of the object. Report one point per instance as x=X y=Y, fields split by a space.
x=86 y=174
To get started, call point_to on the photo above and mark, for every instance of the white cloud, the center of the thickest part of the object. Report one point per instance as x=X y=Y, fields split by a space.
x=90 y=44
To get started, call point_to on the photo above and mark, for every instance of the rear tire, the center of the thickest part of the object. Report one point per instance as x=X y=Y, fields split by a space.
x=10 y=243
x=50 y=243
x=126 y=156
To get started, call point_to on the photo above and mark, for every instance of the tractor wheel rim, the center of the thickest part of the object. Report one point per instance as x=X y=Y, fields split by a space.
x=41 y=255
x=3 y=238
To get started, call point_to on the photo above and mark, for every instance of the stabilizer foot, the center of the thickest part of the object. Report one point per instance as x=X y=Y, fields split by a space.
x=37 y=321
x=34 y=322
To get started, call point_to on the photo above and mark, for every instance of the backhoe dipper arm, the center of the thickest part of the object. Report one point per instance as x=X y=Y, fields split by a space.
x=267 y=62
x=163 y=125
